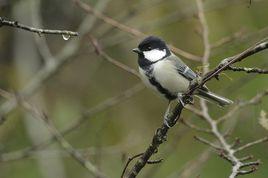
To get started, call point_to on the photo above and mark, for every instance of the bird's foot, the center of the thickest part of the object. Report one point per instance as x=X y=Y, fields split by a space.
x=166 y=118
x=183 y=101
x=180 y=98
x=166 y=122
x=196 y=81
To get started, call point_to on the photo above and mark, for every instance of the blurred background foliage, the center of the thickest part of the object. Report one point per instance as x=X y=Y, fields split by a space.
x=86 y=80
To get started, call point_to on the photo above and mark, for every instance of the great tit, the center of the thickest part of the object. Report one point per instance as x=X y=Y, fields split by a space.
x=167 y=74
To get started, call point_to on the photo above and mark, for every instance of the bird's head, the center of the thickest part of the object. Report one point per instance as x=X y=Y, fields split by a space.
x=152 y=48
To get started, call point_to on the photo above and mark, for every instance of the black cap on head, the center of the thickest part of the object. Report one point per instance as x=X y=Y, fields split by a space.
x=152 y=42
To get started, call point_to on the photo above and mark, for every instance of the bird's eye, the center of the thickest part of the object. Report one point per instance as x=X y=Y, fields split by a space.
x=149 y=47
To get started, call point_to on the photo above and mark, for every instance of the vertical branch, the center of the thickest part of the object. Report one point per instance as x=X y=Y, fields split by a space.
x=26 y=63
x=206 y=55
x=41 y=40
x=205 y=35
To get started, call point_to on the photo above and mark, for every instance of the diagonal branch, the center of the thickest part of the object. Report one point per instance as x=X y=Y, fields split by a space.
x=265 y=139
x=86 y=115
x=134 y=32
x=248 y=70
x=225 y=63
x=161 y=133
x=60 y=139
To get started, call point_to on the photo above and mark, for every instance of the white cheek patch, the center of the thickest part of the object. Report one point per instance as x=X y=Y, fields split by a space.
x=155 y=54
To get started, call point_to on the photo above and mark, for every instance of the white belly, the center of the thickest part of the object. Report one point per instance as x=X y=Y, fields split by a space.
x=167 y=76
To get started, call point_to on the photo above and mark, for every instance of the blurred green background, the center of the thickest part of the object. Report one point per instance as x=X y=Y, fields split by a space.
x=85 y=80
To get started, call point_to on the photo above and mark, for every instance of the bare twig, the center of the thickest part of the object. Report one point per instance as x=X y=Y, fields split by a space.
x=236 y=142
x=136 y=156
x=194 y=164
x=86 y=115
x=161 y=132
x=64 y=144
x=228 y=39
x=246 y=158
x=41 y=43
x=108 y=58
x=192 y=126
x=258 y=47
x=227 y=150
x=15 y=24
x=254 y=100
x=196 y=111
x=48 y=70
x=128 y=162
x=248 y=70
x=202 y=140
x=130 y=30
x=265 y=139
x=205 y=35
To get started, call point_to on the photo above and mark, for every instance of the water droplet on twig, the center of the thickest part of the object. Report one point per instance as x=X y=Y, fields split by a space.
x=66 y=37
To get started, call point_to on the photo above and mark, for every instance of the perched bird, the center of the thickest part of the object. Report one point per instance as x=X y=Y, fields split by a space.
x=167 y=74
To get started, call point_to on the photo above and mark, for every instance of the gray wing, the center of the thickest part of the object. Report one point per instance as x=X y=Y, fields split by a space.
x=182 y=68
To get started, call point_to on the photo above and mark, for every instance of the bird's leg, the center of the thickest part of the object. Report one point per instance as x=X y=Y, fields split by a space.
x=180 y=96
x=166 y=119
x=196 y=81
x=183 y=101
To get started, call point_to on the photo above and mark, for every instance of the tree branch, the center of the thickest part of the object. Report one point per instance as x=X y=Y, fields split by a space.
x=86 y=115
x=248 y=70
x=60 y=139
x=39 y=31
x=265 y=139
x=130 y=30
x=161 y=132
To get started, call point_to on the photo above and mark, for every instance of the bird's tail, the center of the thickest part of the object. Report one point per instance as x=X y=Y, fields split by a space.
x=213 y=97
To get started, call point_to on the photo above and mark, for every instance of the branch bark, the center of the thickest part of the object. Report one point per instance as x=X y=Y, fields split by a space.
x=39 y=31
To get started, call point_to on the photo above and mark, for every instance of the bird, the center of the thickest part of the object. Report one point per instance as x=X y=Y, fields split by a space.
x=164 y=72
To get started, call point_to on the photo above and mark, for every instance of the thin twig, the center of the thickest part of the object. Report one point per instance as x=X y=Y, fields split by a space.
x=246 y=158
x=258 y=47
x=202 y=140
x=60 y=139
x=15 y=24
x=48 y=71
x=161 y=133
x=253 y=101
x=205 y=36
x=192 y=126
x=248 y=70
x=265 y=139
x=128 y=162
x=86 y=115
x=135 y=32
x=108 y=58
x=228 y=39
x=196 y=111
